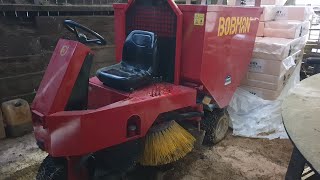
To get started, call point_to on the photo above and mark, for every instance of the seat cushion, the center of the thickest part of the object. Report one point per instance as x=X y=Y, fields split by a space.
x=124 y=77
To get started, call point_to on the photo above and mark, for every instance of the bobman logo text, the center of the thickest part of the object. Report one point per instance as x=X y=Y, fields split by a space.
x=233 y=25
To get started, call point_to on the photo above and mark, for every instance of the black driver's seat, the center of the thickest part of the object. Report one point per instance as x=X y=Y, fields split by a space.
x=138 y=65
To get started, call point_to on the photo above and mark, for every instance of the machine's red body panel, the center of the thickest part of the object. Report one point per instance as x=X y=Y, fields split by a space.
x=231 y=58
x=57 y=83
x=104 y=124
x=218 y=62
x=192 y=44
x=120 y=27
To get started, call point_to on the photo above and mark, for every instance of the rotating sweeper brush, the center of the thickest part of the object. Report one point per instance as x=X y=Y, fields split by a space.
x=166 y=143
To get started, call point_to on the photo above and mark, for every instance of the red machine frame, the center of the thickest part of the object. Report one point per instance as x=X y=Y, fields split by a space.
x=203 y=70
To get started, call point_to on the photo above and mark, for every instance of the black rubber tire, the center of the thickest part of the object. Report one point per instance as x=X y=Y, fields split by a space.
x=216 y=124
x=52 y=169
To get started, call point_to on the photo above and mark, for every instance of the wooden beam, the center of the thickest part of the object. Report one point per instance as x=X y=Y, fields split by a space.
x=47 y=25
x=104 y=54
x=12 y=66
x=70 y=8
x=28 y=97
x=20 y=84
x=19 y=46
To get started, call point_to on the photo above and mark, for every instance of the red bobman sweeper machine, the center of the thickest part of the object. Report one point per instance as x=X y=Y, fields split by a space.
x=178 y=67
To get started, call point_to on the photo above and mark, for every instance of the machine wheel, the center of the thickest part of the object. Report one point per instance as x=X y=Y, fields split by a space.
x=53 y=169
x=216 y=125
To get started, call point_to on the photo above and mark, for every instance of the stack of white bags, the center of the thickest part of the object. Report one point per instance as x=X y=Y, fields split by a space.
x=282 y=35
x=255 y=109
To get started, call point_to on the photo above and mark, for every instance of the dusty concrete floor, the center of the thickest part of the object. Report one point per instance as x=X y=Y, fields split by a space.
x=235 y=158
x=19 y=158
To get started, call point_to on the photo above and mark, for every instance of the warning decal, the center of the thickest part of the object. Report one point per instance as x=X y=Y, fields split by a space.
x=198 y=19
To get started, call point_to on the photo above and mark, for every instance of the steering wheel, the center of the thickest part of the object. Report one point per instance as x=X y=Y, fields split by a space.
x=72 y=27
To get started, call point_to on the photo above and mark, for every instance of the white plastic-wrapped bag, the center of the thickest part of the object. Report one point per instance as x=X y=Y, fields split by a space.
x=277 y=48
x=289 y=29
x=252 y=116
x=300 y=13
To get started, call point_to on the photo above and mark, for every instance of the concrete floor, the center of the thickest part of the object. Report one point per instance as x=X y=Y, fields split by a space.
x=235 y=158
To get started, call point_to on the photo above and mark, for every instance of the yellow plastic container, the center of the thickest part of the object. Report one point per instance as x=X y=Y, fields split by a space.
x=2 y=131
x=17 y=117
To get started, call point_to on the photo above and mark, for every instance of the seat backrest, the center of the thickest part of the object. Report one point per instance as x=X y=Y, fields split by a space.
x=140 y=50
